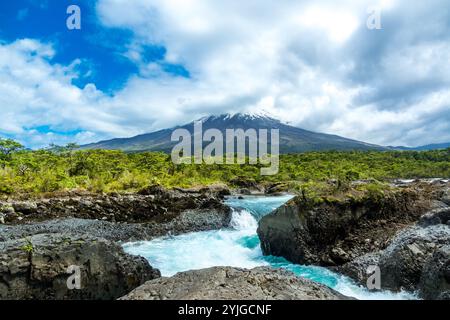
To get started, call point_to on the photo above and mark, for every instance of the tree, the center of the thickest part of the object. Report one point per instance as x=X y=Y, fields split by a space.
x=70 y=147
x=8 y=147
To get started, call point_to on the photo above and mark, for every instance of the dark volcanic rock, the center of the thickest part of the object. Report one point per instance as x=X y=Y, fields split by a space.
x=402 y=263
x=37 y=268
x=446 y=196
x=245 y=183
x=435 y=281
x=187 y=221
x=95 y=228
x=277 y=188
x=181 y=210
x=417 y=259
x=226 y=283
x=46 y=236
x=434 y=217
x=357 y=269
x=43 y=237
x=332 y=232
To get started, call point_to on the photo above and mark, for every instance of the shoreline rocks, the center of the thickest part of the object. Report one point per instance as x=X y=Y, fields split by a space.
x=417 y=259
x=435 y=281
x=43 y=237
x=154 y=204
x=226 y=283
x=405 y=233
x=37 y=268
x=187 y=221
x=331 y=232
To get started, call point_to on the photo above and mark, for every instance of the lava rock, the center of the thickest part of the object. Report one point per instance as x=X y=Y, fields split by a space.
x=403 y=261
x=277 y=188
x=434 y=217
x=226 y=283
x=25 y=207
x=435 y=280
x=416 y=260
x=187 y=221
x=331 y=232
x=162 y=206
x=446 y=196
x=37 y=268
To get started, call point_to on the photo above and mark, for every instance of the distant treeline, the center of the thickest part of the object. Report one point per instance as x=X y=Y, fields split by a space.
x=65 y=168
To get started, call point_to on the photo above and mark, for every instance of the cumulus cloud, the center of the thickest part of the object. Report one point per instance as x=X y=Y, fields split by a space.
x=34 y=93
x=313 y=64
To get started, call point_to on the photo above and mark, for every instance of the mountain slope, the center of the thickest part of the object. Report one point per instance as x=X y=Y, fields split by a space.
x=292 y=139
x=425 y=147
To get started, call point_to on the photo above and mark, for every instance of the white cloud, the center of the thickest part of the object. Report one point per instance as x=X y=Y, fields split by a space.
x=239 y=55
x=36 y=93
x=339 y=25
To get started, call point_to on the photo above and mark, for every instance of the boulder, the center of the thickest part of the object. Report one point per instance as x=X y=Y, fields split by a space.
x=437 y=216
x=38 y=268
x=218 y=190
x=417 y=259
x=435 y=281
x=226 y=283
x=245 y=191
x=277 y=188
x=358 y=268
x=330 y=231
x=446 y=196
x=6 y=209
x=245 y=183
x=25 y=207
x=403 y=261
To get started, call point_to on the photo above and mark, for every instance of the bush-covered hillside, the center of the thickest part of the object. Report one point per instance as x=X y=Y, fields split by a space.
x=63 y=168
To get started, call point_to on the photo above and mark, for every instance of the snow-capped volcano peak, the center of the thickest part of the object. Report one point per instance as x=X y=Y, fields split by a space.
x=238 y=116
x=292 y=139
x=260 y=114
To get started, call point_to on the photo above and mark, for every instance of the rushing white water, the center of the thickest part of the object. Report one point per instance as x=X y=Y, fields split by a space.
x=239 y=246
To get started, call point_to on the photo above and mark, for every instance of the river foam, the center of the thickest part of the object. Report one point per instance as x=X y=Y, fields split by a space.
x=239 y=246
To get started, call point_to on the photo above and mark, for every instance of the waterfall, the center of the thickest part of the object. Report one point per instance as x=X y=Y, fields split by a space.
x=238 y=246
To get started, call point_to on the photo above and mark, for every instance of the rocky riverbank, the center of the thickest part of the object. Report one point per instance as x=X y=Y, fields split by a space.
x=37 y=267
x=41 y=238
x=405 y=232
x=151 y=204
x=417 y=259
x=226 y=283
x=154 y=212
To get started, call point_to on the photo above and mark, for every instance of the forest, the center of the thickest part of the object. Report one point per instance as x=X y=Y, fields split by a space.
x=67 y=168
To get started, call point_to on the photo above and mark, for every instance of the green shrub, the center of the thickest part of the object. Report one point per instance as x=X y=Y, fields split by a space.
x=312 y=174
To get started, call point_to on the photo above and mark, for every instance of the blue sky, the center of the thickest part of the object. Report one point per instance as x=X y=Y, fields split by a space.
x=101 y=49
x=141 y=65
